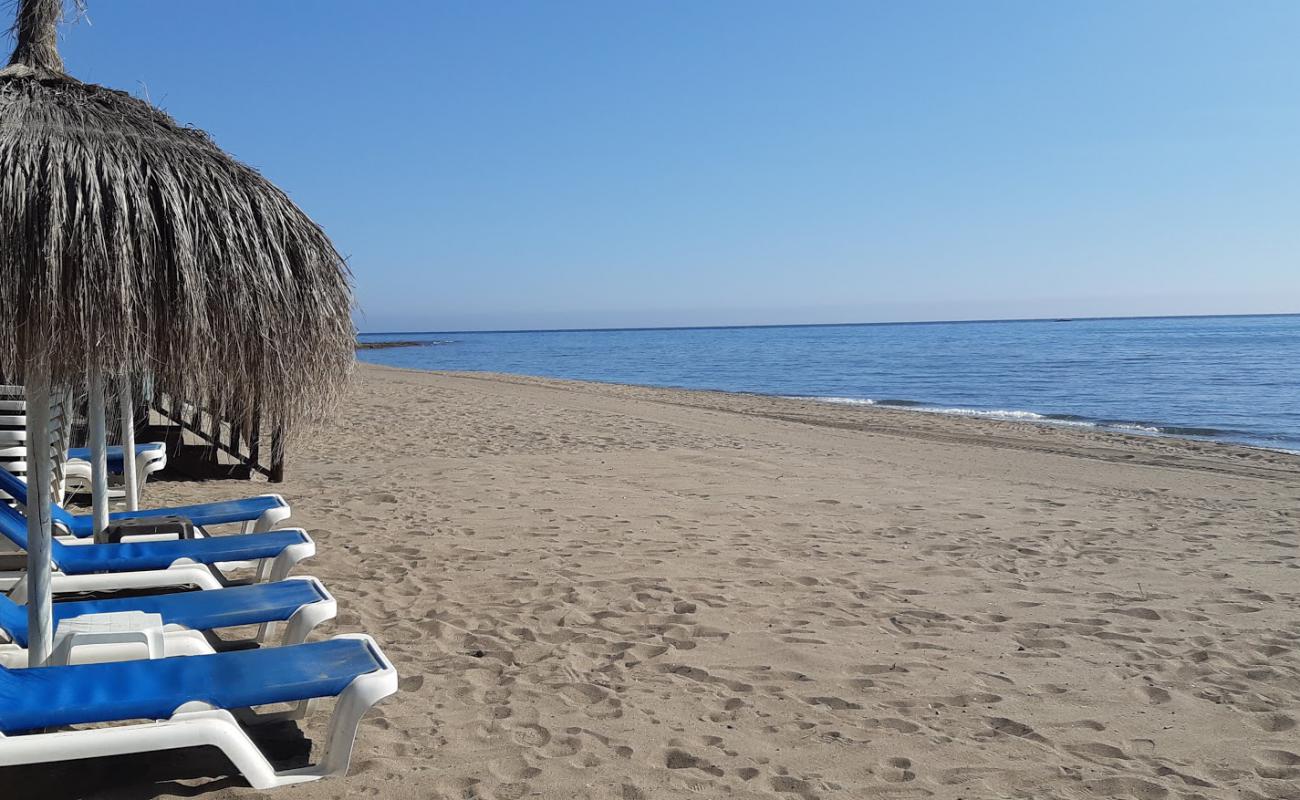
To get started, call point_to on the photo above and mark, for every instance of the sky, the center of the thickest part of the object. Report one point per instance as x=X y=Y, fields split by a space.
x=592 y=163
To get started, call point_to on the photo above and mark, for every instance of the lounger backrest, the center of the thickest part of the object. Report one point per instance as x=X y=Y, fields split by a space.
x=16 y=488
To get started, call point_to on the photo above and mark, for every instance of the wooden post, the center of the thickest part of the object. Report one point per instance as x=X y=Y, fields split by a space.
x=255 y=437
x=277 y=457
x=215 y=448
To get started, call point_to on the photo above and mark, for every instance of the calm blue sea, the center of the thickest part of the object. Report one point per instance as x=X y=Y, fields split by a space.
x=1226 y=378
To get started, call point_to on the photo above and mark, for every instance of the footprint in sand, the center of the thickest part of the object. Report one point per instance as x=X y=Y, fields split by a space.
x=1279 y=764
x=1094 y=750
x=786 y=784
x=680 y=759
x=896 y=770
x=531 y=735
x=1152 y=694
x=1128 y=787
x=1275 y=723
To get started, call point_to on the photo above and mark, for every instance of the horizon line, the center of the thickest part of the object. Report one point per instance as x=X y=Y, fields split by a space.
x=616 y=329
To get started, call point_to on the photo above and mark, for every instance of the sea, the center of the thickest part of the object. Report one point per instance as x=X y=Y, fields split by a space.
x=1232 y=378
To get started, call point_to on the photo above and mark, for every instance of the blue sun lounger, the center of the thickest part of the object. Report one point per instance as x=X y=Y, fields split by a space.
x=273 y=554
x=302 y=603
x=262 y=512
x=114 y=454
x=174 y=703
x=150 y=457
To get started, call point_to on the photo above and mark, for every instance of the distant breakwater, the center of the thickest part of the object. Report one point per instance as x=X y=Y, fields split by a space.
x=389 y=345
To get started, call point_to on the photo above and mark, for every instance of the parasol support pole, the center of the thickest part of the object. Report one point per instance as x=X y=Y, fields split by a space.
x=126 y=403
x=98 y=453
x=40 y=617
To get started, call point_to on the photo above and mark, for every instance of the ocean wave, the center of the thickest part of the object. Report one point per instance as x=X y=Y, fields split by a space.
x=1136 y=426
x=844 y=401
x=992 y=413
x=1061 y=420
x=982 y=413
x=1179 y=430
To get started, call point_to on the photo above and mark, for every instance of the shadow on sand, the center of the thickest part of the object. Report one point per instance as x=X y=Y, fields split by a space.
x=192 y=772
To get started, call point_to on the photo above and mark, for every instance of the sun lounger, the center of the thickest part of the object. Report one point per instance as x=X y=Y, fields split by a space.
x=272 y=554
x=300 y=603
x=261 y=513
x=188 y=702
x=150 y=457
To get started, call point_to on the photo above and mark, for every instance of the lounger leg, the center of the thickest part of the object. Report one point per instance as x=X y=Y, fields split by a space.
x=306 y=619
x=271 y=517
x=289 y=557
x=360 y=696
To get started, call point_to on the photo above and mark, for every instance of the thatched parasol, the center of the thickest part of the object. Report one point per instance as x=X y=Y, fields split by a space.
x=130 y=244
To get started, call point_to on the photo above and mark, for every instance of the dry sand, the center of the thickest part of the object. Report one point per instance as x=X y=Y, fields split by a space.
x=599 y=591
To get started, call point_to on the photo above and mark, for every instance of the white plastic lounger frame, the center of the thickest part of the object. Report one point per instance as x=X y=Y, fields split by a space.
x=97 y=648
x=77 y=474
x=270 y=518
x=176 y=640
x=199 y=725
x=188 y=576
x=181 y=572
x=267 y=521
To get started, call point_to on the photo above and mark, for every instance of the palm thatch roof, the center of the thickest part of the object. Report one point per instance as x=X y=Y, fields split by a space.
x=129 y=243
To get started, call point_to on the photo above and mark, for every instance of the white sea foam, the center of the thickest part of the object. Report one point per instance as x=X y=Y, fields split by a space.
x=1133 y=426
x=847 y=401
x=996 y=413
x=1010 y=415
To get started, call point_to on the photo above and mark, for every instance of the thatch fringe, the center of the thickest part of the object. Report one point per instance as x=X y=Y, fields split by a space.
x=129 y=244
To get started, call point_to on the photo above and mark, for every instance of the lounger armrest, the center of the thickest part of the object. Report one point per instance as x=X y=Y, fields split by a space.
x=306 y=619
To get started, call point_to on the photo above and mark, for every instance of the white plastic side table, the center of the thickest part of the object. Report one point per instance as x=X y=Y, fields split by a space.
x=119 y=627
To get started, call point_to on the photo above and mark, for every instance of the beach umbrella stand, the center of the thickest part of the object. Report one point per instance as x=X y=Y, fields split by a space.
x=98 y=433
x=126 y=409
x=40 y=567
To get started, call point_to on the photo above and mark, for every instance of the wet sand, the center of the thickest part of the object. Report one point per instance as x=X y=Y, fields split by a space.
x=598 y=591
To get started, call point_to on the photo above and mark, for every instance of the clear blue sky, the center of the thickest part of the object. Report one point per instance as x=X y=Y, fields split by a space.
x=558 y=164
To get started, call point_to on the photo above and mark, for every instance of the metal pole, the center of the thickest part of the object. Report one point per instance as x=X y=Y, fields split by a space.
x=98 y=454
x=126 y=403
x=40 y=619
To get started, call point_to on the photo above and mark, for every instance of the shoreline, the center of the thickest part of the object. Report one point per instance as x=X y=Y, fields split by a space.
x=1045 y=421
x=1206 y=378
